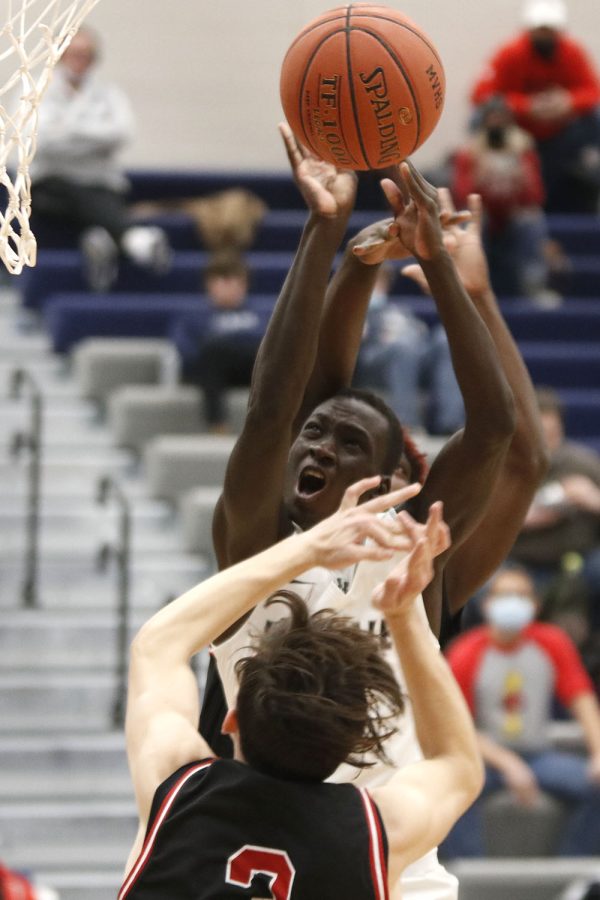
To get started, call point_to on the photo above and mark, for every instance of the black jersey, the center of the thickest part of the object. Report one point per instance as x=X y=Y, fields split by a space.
x=220 y=830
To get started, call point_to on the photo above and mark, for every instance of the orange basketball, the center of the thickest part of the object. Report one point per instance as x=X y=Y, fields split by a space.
x=362 y=86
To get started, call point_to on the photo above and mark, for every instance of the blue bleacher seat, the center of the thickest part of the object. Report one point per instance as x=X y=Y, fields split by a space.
x=72 y=317
x=561 y=365
x=59 y=271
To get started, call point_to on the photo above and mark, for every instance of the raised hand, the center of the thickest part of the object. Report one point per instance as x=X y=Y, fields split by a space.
x=416 y=209
x=339 y=540
x=464 y=245
x=328 y=192
x=409 y=578
x=378 y=242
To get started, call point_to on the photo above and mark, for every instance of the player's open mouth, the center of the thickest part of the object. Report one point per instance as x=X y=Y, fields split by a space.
x=311 y=481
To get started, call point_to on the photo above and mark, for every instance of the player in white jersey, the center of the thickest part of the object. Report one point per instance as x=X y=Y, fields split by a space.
x=315 y=691
x=305 y=439
x=320 y=588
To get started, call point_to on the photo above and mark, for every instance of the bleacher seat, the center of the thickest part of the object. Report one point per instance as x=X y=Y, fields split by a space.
x=196 y=508
x=520 y=879
x=514 y=830
x=70 y=318
x=59 y=272
x=101 y=365
x=137 y=413
x=177 y=463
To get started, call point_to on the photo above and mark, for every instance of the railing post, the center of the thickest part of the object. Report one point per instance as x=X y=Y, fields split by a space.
x=107 y=488
x=32 y=441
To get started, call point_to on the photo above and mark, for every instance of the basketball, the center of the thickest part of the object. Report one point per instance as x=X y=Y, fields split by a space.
x=362 y=86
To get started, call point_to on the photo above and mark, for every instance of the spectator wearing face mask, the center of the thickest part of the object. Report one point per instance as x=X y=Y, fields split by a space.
x=552 y=87
x=510 y=670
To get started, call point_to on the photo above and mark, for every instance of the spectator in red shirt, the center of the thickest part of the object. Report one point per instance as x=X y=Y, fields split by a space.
x=510 y=670
x=500 y=163
x=553 y=89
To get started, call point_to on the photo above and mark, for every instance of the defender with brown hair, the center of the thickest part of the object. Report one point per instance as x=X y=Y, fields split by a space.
x=314 y=692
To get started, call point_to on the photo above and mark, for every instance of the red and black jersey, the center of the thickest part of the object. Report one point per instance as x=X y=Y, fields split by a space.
x=220 y=830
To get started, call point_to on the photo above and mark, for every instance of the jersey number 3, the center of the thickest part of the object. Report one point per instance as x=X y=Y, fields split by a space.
x=250 y=861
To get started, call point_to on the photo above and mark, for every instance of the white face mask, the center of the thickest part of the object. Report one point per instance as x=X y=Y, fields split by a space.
x=510 y=612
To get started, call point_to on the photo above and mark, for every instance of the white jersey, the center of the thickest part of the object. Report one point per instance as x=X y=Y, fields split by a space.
x=349 y=592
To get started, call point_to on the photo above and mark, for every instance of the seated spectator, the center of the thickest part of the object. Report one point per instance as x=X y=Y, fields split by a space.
x=563 y=523
x=552 y=87
x=219 y=345
x=75 y=176
x=510 y=670
x=501 y=164
x=401 y=356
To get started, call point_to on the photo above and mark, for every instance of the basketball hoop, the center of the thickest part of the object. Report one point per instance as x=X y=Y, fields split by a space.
x=32 y=39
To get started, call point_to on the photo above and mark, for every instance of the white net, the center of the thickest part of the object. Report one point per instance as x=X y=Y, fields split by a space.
x=32 y=38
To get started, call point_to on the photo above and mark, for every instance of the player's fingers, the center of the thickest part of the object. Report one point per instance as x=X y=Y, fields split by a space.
x=372 y=552
x=393 y=195
x=394 y=498
x=413 y=529
x=292 y=147
x=419 y=568
x=420 y=187
x=368 y=246
x=437 y=530
x=476 y=209
x=388 y=536
x=356 y=490
x=447 y=207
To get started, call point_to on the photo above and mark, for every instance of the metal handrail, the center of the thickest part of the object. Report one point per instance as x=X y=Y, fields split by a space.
x=107 y=488
x=30 y=440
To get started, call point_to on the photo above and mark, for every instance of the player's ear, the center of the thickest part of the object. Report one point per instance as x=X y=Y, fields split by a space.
x=230 y=722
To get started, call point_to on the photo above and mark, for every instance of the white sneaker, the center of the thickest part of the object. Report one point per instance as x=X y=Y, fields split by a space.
x=148 y=246
x=100 y=258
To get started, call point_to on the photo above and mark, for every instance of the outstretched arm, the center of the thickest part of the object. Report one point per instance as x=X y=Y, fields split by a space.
x=469 y=463
x=347 y=302
x=422 y=801
x=162 y=702
x=247 y=518
x=506 y=500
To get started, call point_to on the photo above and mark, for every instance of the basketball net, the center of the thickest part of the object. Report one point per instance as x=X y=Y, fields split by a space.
x=33 y=37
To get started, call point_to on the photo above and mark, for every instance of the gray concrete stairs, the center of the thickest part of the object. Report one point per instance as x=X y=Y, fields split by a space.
x=67 y=813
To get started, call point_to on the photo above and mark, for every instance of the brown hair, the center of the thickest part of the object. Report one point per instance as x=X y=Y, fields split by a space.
x=418 y=468
x=225 y=264
x=316 y=693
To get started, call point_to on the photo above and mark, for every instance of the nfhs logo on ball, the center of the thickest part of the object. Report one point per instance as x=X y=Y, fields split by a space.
x=362 y=86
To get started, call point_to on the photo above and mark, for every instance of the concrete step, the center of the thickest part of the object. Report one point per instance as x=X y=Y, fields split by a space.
x=68 y=767
x=94 y=461
x=31 y=640
x=74 y=583
x=39 y=702
x=46 y=767
x=70 y=833
x=34 y=702
x=87 y=541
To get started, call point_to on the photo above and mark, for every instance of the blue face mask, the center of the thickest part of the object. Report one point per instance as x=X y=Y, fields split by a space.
x=510 y=612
